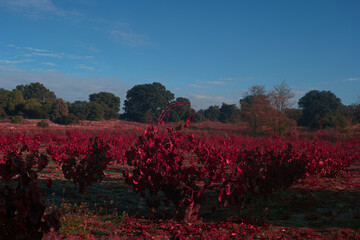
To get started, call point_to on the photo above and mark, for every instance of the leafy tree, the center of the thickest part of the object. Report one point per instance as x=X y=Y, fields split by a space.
x=2 y=113
x=66 y=120
x=354 y=111
x=227 y=113
x=199 y=116
x=79 y=108
x=212 y=113
x=59 y=109
x=320 y=109
x=34 y=109
x=36 y=91
x=255 y=107
x=146 y=98
x=47 y=108
x=4 y=99
x=180 y=112
x=94 y=111
x=16 y=102
x=293 y=113
x=108 y=101
x=281 y=96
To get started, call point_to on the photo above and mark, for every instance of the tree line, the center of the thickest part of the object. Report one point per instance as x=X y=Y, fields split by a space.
x=262 y=110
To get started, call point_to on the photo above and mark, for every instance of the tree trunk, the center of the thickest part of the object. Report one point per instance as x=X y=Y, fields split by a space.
x=82 y=187
x=190 y=213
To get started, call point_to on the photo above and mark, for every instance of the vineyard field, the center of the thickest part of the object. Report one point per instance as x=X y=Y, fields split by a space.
x=175 y=182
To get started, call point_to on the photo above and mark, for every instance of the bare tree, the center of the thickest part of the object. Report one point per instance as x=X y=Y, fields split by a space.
x=281 y=96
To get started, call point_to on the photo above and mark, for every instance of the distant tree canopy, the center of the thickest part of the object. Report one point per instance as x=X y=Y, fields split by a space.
x=59 y=109
x=4 y=99
x=281 y=96
x=78 y=108
x=227 y=113
x=212 y=113
x=255 y=97
x=180 y=112
x=321 y=109
x=146 y=98
x=263 y=116
x=109 y=102
x=34 y=109
x=255 y=106
x=36 y=91
x=94 y=111
x=263 y=111
x=15 y=102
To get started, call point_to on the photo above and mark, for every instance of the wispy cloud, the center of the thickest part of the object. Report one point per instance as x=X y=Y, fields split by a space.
x=36 y=49
x=77 y=57
x=88 y=47
x=205 y=84
x=15 y=61
x=37 y=8
x=53 y=55
x=214 y=82
x=127 y=38
x=45 y=54
x=228 y=79
x=197 y=86
x=12 y=46
x=49 y=63
x=352 y=79
x=85 y=67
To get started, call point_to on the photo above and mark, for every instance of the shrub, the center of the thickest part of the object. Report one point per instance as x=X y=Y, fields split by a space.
x=22 y=210
x=87 y=168
x=17 y=119
x=66 y=120
x=42 y=124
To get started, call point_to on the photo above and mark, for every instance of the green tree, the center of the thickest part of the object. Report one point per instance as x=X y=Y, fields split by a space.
x=59 y=109
x=34 y=109
x=4 y=100
x=199 y=116
x=109 y=102
x=212 y=113
x=255 y=107
x=36 y=91
x=79 y=108
x=16 y=102
x=180 y=112
x=146 y=98
x=47 y=107
x=94 y=111
x=321 y=109
x=227 y=113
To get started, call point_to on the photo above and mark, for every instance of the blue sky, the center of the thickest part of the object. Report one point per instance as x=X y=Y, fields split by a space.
x=208 y=51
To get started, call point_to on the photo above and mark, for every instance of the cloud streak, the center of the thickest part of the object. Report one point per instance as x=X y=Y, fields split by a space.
x=49 y=63
x=36 y=9
x=127 y=38
x=53 y=55
x=352 y=79
x=84 y=67
x=11 y=62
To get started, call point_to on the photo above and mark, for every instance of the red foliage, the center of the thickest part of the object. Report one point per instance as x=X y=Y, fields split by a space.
x=85 y=164
x=21 y=207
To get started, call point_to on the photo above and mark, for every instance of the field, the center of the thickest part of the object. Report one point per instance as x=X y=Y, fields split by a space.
x=200 y=182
